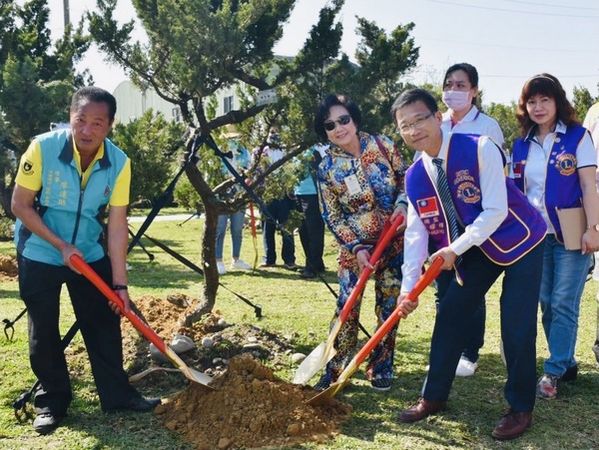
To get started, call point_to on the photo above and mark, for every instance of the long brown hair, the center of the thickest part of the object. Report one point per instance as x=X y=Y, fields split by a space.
x=548 y=85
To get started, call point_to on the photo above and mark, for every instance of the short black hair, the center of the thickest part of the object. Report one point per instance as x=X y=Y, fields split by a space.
x=412 y=96
x=96 y=95
x=322 y=112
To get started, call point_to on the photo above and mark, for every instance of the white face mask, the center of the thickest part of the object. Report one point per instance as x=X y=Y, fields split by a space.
x=457 y=100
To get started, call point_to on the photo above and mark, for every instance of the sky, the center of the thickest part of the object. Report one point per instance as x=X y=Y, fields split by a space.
x=508 y=41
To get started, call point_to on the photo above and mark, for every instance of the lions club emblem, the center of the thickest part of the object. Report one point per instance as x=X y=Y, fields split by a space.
x=566 y=164
x=468 y=192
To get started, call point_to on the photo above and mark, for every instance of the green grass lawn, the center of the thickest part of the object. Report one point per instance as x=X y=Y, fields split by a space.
x=301 y=310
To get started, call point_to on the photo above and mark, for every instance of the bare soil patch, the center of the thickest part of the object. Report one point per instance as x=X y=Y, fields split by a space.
x=8 y=268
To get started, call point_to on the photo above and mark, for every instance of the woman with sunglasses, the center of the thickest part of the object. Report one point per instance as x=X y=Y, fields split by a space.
x=460 y=92
x=360 y=181
x=554 y=164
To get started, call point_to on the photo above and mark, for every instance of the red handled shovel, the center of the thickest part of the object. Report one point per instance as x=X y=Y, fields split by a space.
x=141 y=326
x=324 y=352
x=427 y=278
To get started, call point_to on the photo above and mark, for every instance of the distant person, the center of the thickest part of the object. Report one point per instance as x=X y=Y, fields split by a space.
x=278 y=209
x=312 y=228
x=591 y=123
x=240 y=161
x=554 y=163
x=66 y=180
x=463 y=209
x=460 y=92
x=360 y=180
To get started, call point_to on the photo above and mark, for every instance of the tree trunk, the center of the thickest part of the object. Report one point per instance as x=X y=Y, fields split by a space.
x=5 y=198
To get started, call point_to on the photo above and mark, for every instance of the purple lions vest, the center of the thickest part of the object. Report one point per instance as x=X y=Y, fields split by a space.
x=562 y=185
x=521 y=231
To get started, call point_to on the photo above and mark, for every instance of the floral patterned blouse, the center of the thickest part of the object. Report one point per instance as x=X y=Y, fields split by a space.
x=357 y=195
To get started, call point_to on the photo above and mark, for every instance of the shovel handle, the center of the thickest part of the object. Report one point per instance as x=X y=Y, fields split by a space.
x=89 y=273
x=427 y=278
x=387 y=234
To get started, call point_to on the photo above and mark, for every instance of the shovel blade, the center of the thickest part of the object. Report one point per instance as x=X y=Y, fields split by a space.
x=313 y=363
x=324 y=397
x=191 y=374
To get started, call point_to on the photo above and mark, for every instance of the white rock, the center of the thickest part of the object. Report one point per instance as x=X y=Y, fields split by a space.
x=207 y=342
x=182 y=343
x=252 y=339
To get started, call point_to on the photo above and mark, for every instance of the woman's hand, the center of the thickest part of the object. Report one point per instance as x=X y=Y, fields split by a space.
x=363 y=258
x=590 y=241
x=405 y=305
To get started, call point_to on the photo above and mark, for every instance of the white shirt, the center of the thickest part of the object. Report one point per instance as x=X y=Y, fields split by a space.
x=494 y=204
x=536 y=167
x=474 y=122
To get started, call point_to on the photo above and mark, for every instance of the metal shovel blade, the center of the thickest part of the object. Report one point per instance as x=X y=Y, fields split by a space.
x=323 y=397
x=313 y=363
x=190 y=373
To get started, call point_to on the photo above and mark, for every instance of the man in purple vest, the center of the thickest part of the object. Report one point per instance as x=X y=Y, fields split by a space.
x=463 y=207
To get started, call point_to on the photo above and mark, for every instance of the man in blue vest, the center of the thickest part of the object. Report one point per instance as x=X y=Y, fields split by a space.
x=66 y=181
x=463 y=207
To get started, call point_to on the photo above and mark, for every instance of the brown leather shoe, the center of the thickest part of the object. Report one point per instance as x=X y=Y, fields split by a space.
x=420 y=410
x=512 y=425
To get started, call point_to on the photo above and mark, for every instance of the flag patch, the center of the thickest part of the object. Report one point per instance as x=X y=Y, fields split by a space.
x=427 y=207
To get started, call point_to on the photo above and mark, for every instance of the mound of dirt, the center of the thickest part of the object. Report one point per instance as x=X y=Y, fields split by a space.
x=8 y=267
x=250 y=408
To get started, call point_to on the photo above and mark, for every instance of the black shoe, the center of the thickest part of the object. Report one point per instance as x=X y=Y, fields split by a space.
x=46 y=423
x=381 y=384
x=570 y=374
x=291 y=266
x=307 y=273
x=137 y=404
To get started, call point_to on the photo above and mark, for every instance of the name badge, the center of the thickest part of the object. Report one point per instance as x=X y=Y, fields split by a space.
x=353 y=185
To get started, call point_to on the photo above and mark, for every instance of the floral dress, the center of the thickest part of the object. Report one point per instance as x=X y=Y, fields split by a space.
x=357 y=197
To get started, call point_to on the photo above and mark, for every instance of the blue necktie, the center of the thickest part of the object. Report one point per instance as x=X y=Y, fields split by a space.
x=448 y=206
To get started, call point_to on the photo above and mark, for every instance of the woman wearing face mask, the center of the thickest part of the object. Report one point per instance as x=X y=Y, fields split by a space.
x=460 y=89
x=554 y=164
x=360 y=183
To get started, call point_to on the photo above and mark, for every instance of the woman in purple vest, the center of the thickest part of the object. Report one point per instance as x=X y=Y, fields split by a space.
x=554 y=164
x=460 y=92
x=360 y=181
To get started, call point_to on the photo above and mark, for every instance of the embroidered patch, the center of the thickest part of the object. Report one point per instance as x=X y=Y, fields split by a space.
x=427 y=207
x=518 y=169
x=468 y=192
x=566 y=164
x=27 y=168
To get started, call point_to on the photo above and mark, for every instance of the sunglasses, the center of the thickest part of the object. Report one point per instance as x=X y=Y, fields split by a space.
x=330 y=125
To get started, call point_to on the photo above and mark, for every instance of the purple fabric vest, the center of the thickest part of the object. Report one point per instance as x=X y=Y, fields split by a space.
x=520 y=232
x=562 y=185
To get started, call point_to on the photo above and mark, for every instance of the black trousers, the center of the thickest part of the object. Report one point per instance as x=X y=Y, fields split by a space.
x=279 y=210
x=312 y=232
x=458 y=306
x=40 y=286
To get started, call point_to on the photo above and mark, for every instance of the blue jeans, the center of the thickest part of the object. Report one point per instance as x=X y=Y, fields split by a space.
x=564 y=275
x=236 y=220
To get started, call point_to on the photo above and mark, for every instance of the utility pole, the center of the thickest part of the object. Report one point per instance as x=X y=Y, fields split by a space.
x=67 y=17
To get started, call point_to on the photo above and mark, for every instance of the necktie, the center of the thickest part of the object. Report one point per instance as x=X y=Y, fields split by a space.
x=443 y=188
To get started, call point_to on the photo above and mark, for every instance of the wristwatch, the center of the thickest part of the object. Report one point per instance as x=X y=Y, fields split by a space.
x=593 y=227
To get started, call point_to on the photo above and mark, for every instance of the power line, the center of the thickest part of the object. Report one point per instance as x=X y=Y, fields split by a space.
x=552 y=6
x=536 y=13
x=514 y=47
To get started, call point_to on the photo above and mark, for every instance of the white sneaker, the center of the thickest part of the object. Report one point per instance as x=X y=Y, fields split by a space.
x=466 y=368
x=240 y=264
x=220 y=266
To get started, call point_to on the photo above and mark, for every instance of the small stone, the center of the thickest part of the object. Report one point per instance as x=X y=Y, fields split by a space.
x=252 y=339
x=157 y=355
x=222 y=323
x=207 y=342
x=297 y=357
x=182 y=344
x=224 y=443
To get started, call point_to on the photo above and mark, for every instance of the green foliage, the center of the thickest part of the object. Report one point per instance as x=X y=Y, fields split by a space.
x=582 y=101
x=506 y=116
x=152 y=143
x=6 y=229
x=37 y=78
x=186 y=196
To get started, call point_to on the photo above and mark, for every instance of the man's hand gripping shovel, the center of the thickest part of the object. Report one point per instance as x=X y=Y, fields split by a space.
x=324 y=352
x=141 y=326
x=427 y=278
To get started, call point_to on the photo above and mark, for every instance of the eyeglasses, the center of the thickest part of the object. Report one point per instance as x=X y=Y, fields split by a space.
x=330 y=125
x=417 y=124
